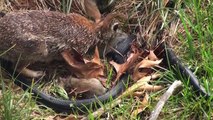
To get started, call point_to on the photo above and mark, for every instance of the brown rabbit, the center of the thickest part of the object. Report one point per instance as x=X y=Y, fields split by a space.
x=30 y=36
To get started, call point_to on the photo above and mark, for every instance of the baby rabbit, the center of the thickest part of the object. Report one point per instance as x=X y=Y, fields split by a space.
x=31 y=36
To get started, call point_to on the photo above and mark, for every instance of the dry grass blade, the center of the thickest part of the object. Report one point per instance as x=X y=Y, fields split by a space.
x=118 y=100
x=155 y=76
x=165 y=2
x=144 y=103
x=146 y=79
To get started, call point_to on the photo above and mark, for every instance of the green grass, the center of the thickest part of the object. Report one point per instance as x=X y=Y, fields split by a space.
x=66 y=6
x=197 y=22
x=11 y=104
x=196 y=51
x=200 y=25
x=17 y=104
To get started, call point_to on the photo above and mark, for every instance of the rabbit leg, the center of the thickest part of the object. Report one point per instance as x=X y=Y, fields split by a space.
x=28 y=72
x=31 y=73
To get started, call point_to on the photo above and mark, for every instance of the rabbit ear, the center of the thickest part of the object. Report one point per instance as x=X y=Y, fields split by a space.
x=105 y=24
x=107 y=21
x=92 y=10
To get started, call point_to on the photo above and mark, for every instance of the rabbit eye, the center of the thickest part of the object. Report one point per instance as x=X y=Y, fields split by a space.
x=115 y=26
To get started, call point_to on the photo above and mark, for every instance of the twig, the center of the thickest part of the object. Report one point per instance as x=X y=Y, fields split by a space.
x=155 y=113
x=118 y=100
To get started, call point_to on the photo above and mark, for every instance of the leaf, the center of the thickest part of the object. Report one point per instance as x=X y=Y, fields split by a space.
x=122 y=68
x=84 y=68
x=144 y=67
x=77 y=56
x=116 y=66
x=96 y=57
x=149 y=63
x=152 y=56
x=72 y=58
x=92 y=70
x=140 y=74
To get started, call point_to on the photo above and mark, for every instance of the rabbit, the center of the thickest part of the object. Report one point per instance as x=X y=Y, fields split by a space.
x=30 y=36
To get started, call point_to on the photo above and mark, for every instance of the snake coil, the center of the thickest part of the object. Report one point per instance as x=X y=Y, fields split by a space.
x=82 y=105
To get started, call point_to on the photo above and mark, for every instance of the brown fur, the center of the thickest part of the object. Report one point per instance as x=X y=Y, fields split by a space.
x=41 y=35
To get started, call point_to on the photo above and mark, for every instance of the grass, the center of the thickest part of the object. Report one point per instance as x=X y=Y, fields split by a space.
x=16 y=104
x=66 y=6
x=197 y=24
x=194 y=46
x=11 y=104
